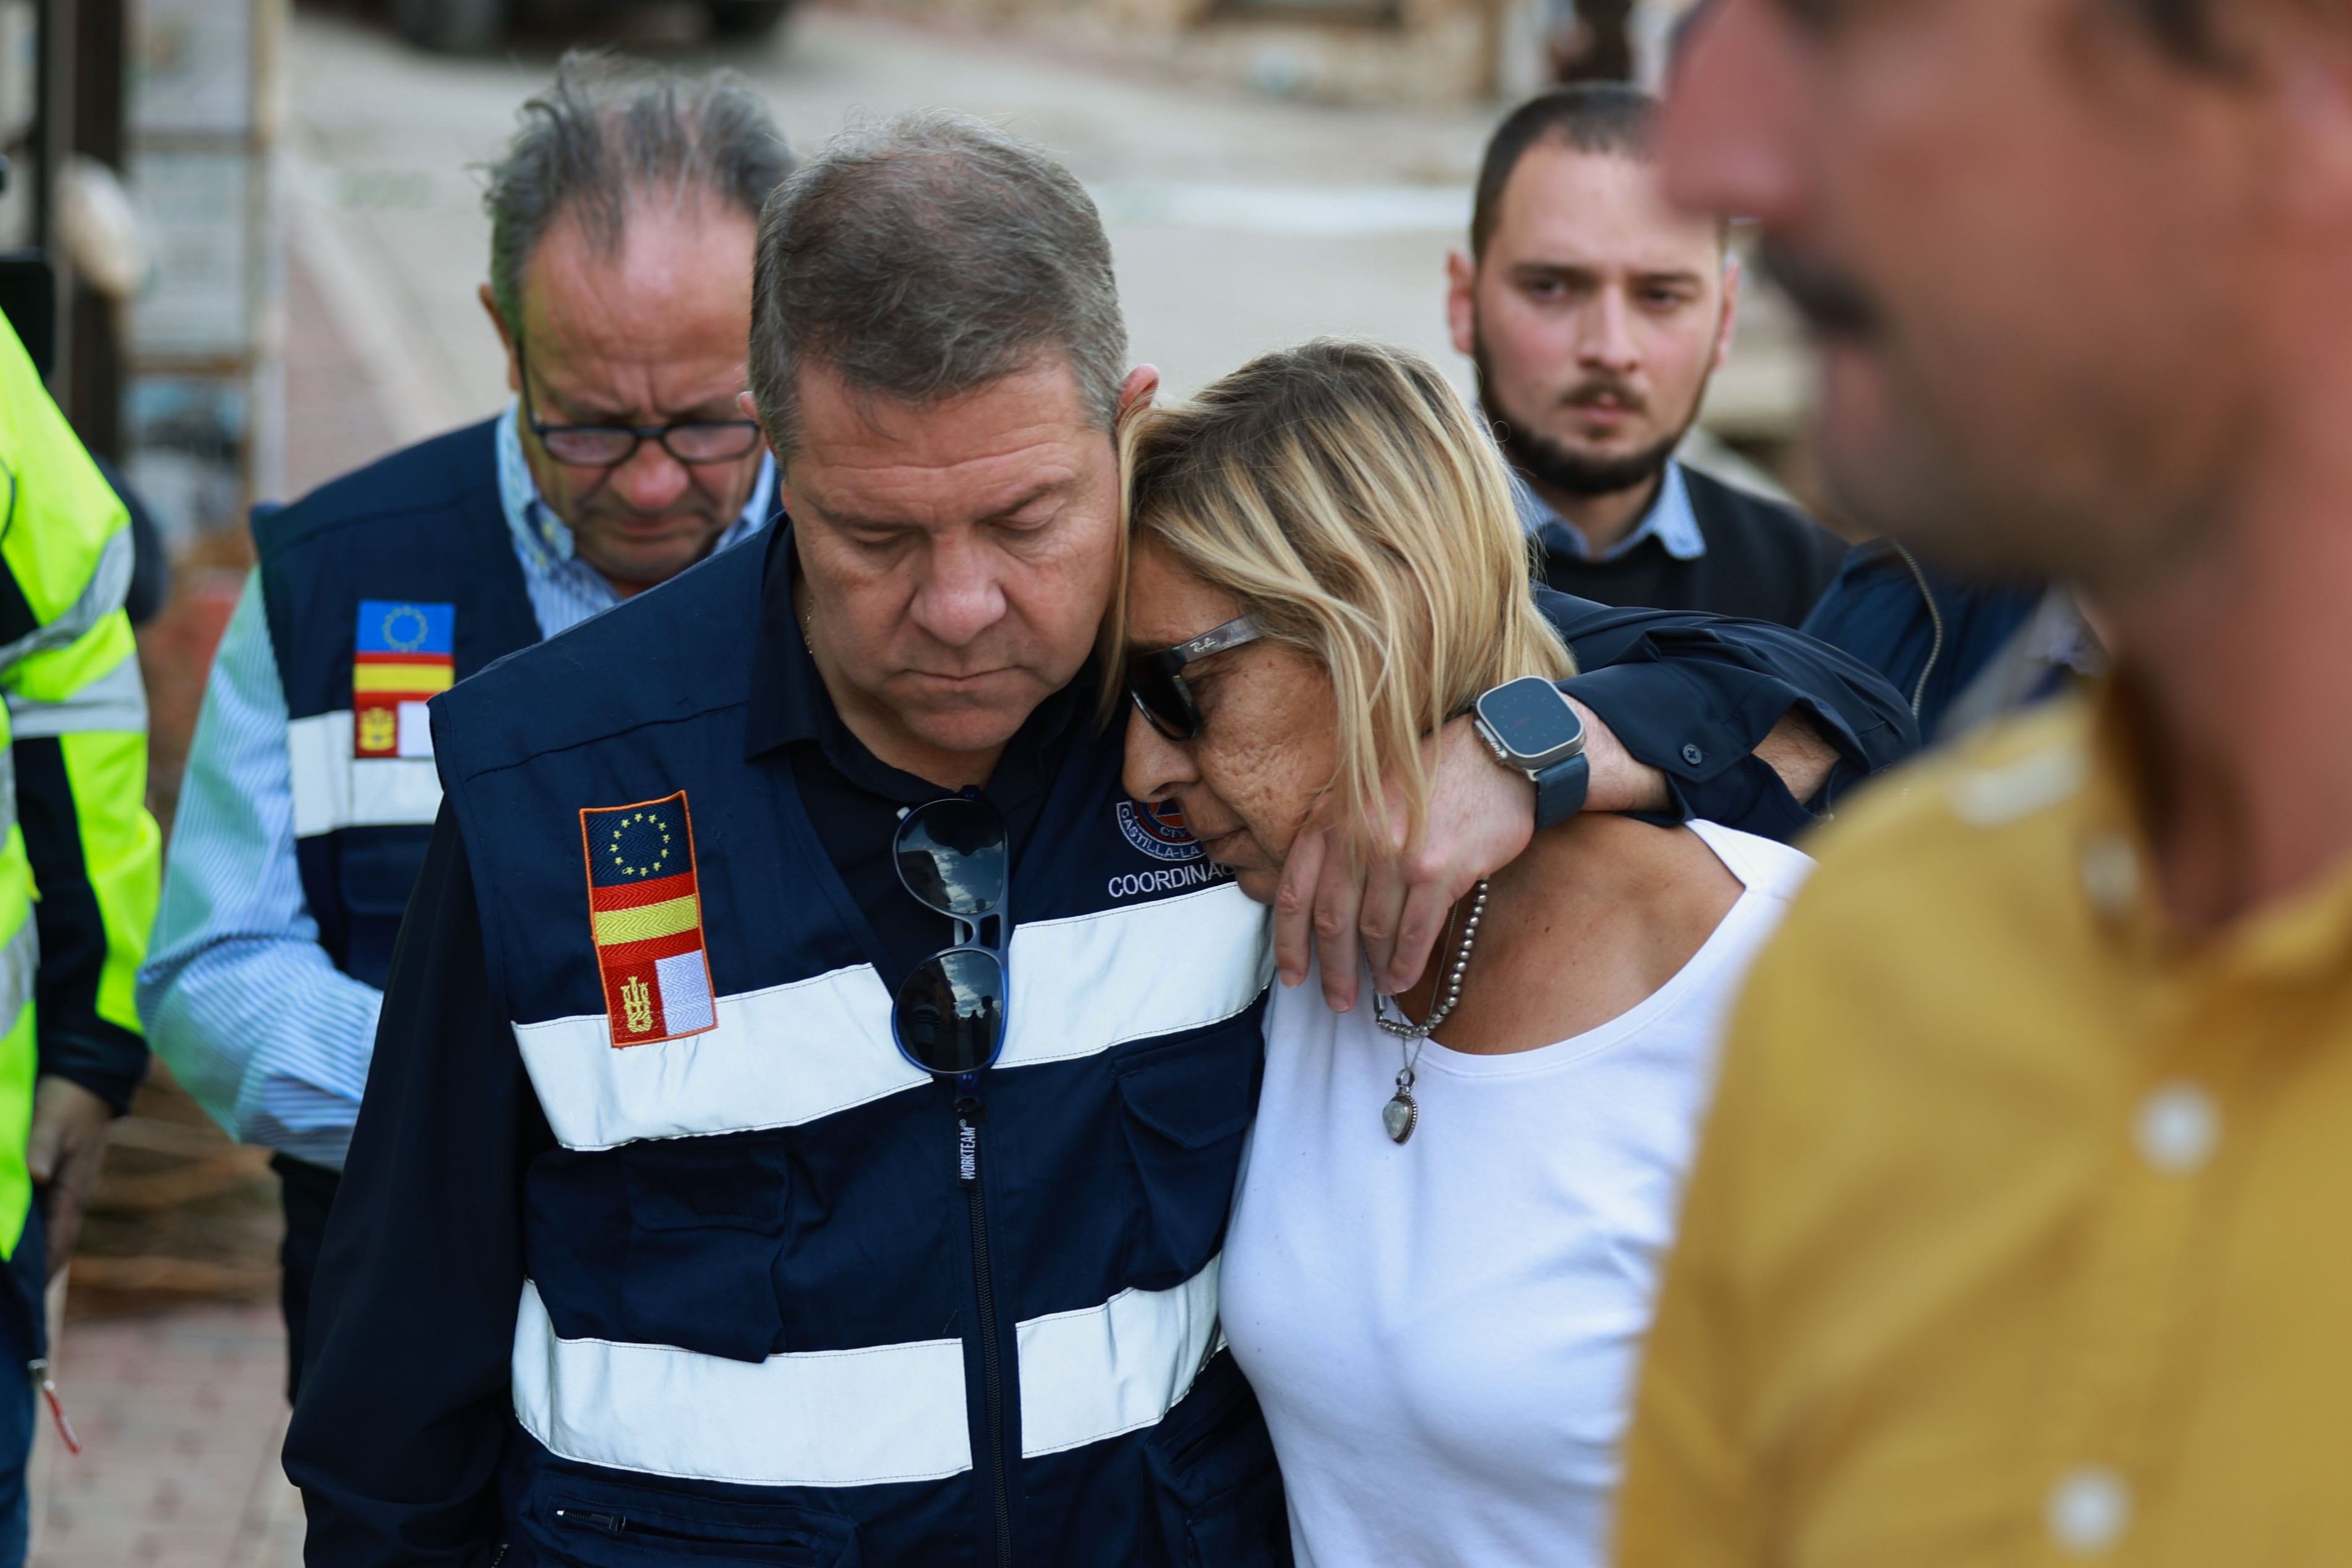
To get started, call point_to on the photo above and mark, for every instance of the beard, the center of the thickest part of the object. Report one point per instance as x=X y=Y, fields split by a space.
x=1556 y=464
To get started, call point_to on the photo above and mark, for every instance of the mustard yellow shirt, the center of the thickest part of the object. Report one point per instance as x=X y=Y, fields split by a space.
x=2022 y=1232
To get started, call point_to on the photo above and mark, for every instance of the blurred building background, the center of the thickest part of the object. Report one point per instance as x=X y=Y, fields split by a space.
x=252 y=231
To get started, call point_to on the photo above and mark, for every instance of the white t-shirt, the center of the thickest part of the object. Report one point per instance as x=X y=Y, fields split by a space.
x=1443 y=1333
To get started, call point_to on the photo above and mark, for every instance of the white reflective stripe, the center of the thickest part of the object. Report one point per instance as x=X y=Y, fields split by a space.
x=780 y=1057
x=1120 y=1367
x=334 y=789
x=810 y=1418
x=116 y=701
x=7 y=789
x=99 y=597
x=854 y=1418
x=1085 y=984
x=20 y=966
x=791 y=1054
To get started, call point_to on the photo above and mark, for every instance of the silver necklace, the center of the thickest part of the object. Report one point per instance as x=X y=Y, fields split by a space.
x=1402 y=1113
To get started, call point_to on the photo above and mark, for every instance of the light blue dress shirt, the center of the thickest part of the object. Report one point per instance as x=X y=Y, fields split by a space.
x=238 y=998
x=1669 y=520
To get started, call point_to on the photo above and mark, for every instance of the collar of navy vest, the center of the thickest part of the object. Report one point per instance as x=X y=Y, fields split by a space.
x=788 y=702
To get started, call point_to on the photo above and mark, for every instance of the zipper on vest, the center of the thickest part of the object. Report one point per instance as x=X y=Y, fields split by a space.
x=621 y=1525
x=970 y=1111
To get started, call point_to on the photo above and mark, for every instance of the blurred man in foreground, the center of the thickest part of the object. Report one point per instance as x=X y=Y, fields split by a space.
x=2018 y=1235
x=621 y=224
x=77 y=864
x=1596 y=315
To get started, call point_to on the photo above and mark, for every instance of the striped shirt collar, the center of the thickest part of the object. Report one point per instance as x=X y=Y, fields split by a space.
x=544 y=541
x=1669 y=520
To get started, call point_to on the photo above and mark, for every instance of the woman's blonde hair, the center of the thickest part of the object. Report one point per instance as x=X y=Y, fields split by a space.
x=1343 y=496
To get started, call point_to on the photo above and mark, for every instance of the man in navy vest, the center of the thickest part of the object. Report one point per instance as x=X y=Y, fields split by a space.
x=657 y=1239
x=1597 y=315
x=310 y=787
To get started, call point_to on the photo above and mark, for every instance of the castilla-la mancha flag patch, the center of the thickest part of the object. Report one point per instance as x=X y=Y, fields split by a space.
x=644 y=912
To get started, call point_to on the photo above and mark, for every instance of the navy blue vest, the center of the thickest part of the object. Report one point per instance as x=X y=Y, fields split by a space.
x=777 y=1308
x=420 y=530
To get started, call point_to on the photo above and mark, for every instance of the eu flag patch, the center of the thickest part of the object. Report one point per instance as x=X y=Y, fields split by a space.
x=406 y=652
x=645 y=912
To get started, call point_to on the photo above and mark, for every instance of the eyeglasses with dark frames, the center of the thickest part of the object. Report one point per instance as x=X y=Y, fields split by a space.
x=610 y=445
x=1155 y=682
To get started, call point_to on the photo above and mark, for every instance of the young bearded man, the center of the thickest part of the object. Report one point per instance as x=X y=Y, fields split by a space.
x=1596 y=315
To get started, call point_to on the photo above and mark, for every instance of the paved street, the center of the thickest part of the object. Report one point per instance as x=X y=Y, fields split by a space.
x=180 y=1416
x=1239 y=223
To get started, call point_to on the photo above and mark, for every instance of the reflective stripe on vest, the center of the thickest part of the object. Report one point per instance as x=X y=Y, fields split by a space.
x=334 y=789
x=20 y=966
x=791 y=1054
x=115 y=701
x=854 y=1418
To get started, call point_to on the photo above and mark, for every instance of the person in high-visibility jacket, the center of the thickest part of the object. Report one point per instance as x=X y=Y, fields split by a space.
x=79 y=861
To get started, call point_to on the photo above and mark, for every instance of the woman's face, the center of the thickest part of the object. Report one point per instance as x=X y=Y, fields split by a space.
x=1268 y=728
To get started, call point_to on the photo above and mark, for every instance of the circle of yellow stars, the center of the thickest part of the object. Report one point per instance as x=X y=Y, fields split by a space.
x=656 y=864
x=396 y=633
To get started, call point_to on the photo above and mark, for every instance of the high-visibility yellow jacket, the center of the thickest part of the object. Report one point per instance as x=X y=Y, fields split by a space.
x=80 y=856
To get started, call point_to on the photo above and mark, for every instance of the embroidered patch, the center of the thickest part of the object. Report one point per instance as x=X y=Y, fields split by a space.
x=1158 y=830
x=644 y=912
x=406 y=652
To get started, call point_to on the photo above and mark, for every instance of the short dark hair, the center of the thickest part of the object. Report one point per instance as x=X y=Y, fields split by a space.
x=609 y=128
x=1602 y=119
x=924 y=256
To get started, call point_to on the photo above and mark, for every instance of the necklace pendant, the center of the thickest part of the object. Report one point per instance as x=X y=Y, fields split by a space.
x=1401 y=1116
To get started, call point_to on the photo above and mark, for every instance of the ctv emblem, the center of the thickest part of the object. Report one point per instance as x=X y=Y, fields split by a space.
x=1159 y=830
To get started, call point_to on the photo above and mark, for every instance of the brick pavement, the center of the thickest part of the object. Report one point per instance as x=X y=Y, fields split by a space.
x=180 y=1416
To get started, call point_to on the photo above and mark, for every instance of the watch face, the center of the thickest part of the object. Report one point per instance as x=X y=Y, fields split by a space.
x=1530 y=717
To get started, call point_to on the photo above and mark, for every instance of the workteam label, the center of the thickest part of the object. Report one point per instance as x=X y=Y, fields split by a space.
x=1134 y=885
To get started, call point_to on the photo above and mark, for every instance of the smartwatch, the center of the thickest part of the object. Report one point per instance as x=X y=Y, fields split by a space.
x=1534 y=731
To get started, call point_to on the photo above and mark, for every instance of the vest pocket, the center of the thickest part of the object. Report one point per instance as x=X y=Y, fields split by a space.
x=1187 y=1102
x=375 y=871
x=707 y=1220
x=1214 y=1480
x=580 y=1523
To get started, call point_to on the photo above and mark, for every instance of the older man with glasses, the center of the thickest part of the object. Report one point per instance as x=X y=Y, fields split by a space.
x=621 y=226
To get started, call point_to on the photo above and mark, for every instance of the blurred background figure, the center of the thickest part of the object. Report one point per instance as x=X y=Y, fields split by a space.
x=77 y=868
x=620 y=265
x=460 y=27
x=1595 y=316
x=1592 y=40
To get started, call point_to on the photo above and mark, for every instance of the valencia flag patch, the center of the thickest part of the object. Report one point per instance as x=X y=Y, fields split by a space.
x=644 y=912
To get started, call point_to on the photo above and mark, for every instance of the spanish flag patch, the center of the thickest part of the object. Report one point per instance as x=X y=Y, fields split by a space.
x=406 y=652
x=644 y=912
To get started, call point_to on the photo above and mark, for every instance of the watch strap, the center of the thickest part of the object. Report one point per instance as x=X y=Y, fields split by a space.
x=1560 y=791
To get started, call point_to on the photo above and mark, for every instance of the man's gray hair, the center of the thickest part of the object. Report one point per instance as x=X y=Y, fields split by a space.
x=609 y=131
x=923 y=256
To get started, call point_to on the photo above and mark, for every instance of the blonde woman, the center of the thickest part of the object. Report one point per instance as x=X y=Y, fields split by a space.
x=1444 y=1245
